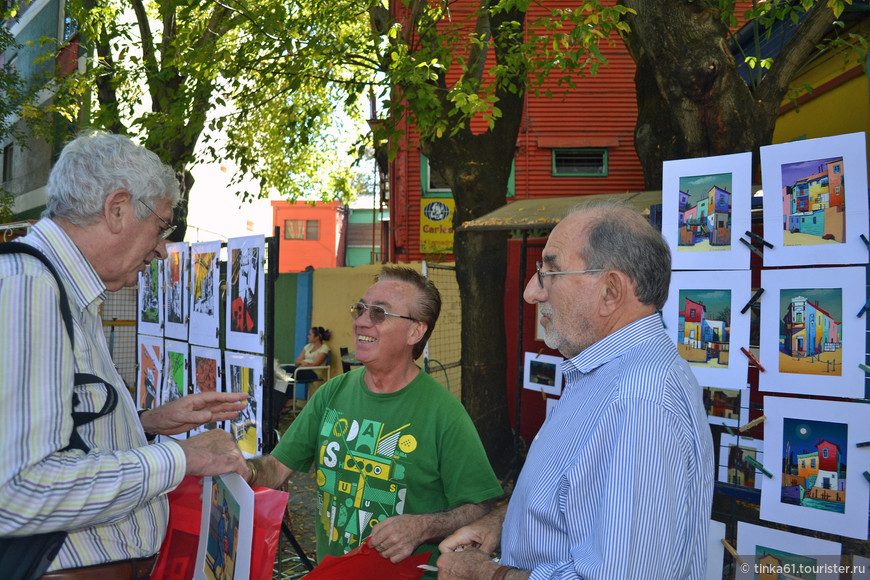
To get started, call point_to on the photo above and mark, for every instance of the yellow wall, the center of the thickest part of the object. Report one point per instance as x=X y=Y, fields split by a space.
x=844 y=108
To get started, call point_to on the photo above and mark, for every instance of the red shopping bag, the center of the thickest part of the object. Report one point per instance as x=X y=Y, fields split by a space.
x=177 y=559
x=365 y=563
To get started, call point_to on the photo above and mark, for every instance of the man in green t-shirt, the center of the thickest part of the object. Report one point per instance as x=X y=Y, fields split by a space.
x=398 y=459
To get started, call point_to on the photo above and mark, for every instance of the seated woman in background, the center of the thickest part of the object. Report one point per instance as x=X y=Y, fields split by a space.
x=313 y=355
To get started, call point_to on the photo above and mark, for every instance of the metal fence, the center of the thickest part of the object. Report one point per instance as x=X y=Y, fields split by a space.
x=445 y=344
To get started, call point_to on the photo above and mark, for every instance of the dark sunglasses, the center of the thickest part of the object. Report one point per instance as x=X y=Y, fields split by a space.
x=376 y=313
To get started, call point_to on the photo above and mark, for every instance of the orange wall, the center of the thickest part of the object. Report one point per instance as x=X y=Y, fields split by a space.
x=296 y=255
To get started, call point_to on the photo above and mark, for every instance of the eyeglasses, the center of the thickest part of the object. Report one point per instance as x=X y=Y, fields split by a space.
x=165 y=232
x=376 y=313
x=541 y=274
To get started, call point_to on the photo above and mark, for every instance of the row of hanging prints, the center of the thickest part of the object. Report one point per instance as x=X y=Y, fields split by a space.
x=178 y=319
x=801 y=281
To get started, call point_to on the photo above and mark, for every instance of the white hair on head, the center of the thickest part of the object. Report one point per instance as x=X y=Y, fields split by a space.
x=97 y=164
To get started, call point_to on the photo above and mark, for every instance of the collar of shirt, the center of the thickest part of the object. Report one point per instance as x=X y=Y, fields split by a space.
x=81 y=280
x=611 y=347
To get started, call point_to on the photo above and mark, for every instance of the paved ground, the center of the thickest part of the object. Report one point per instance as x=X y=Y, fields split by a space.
x=301 y=513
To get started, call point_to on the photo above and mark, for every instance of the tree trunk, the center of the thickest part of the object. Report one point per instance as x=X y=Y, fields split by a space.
x=478 y=168
x=691 y=101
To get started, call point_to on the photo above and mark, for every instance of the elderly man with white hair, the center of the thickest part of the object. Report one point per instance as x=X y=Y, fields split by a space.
x=108 y=216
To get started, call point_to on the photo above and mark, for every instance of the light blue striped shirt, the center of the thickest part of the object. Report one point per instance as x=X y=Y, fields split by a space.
x=618 y=483
x=112 y=500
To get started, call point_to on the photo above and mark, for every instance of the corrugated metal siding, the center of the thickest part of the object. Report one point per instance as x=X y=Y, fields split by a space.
x=599 y=110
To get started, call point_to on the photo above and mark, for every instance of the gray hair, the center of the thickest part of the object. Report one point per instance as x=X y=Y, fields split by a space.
x=619 y=238
x=97 y=164
x=426 y=308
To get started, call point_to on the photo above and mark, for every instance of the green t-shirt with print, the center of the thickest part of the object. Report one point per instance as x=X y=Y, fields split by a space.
x=415 y=451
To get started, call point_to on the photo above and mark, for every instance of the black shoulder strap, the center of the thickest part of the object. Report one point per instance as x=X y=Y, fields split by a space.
x=79 y=418
x=19 y=248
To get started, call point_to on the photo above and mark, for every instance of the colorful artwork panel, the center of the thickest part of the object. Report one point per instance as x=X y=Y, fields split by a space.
x=207 y=375
x=543 y=373
x=815 y=201
x=724 y=407
x=226 y=529
x=150 y=378
x=816 y=464
x=244 y=374
x=706 y=205
x=205 y=293
x=703 y=316
x=245 y=301
x=177 y=304
x=769 y=553
x=150 y=300
x=740 y=459
x=811 y=340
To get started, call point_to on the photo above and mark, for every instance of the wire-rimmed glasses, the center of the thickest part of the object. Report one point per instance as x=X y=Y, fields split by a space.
x=541 y=273
x=376 y=313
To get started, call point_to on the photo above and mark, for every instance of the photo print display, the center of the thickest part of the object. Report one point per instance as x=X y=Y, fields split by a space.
x=245 y=299
x=770 y=553
x=706 y=204
x=177 y=294
x=715 y=551
x=150 y=378
x=244 y=374
x=702 y=316
x=811 y=339
x=206 y=376
x=226 y=529
x=175 y=371
x=815 y=201
x=723 y=406
x=543 y=373
x=811 y=450
x=205 y=272
x=149 y=298
x=736 y=454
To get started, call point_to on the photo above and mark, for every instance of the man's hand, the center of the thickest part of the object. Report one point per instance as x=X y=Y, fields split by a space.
x=483 y=534
x=213 y=453
x=186 y=413
x=397 y=537
x=467 y=564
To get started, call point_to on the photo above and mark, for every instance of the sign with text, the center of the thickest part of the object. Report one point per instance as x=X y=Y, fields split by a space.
x=436 y=226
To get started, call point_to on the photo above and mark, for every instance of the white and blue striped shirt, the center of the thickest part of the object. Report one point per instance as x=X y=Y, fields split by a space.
x=112 y=500
x=618 y=483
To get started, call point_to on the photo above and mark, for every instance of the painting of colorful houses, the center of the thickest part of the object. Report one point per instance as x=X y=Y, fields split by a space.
x=705 y=213
x=813 y=202
x=814 y=464
x=722 y=405
x=809 y=338
x=704 y=327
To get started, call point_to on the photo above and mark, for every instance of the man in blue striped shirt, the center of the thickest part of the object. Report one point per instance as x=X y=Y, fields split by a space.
x=618 y=483
x=108 y=211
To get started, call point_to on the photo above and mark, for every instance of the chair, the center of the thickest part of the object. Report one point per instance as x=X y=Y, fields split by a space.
x=345 y=366
x=307 y=382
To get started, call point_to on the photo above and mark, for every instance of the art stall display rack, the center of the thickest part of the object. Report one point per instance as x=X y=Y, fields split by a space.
x=769 y=305
x=205 y=321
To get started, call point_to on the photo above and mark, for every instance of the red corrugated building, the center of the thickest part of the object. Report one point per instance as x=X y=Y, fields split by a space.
x=579 y=143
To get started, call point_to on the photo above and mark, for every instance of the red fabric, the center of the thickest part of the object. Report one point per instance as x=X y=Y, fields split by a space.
x=365 y=563
x=177 y=559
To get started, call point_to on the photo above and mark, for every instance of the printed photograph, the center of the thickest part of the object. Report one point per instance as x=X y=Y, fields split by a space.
x=245 y=306
x=150 y=379
x=223 y=533
x=739 y=460
x=149 y=298
x=704 y=324
x=206 y=371
x=543 y=373
x=177 y=292
x=205 y=266
x=244 y=374
x=706 y=207
x=705 y=213
x=772 y=554
x=813 y=202
x=814 y=464
x=810 y=320
x=723 y=406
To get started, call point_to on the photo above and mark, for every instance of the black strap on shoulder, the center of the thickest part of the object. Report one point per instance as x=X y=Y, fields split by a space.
x=19 y=248
x=79 y=417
